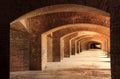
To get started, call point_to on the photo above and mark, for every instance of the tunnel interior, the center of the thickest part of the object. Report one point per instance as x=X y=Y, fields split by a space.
x=54 y=35
x=95 y=45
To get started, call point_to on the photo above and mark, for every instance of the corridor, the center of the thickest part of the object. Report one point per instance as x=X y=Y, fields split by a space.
x=90 y=64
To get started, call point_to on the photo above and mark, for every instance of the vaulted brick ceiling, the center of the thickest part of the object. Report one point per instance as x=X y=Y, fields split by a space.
x=20 y=7
x=56 y=21
x=61 y=15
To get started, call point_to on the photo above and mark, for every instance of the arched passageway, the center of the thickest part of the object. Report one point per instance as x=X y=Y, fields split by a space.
x=39 y=21
x=69 y=47
x=95 y=45
x=63 y=30
x=50 y=34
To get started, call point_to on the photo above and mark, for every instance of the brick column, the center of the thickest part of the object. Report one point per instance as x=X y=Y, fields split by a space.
x=66 y=48
x=67 y=44
x=49 y=49
x=78 y=46
x=56 y=49
x=72 y=47
x=35 y=54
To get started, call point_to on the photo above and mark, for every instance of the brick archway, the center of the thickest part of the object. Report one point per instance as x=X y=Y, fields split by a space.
x=56 y=33
x=39 y=21
x=67 y=44
x=85 y=42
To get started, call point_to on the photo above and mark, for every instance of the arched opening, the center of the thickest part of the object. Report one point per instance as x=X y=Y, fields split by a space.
x=95 y=45
x=57 y=32
x=66 y=29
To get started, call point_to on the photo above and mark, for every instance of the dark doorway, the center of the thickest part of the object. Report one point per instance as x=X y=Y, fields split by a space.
x=95 y=46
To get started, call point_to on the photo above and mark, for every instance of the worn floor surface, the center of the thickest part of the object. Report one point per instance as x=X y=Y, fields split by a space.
x=92 y=64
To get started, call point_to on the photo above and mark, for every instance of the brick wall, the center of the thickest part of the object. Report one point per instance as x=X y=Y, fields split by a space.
x=19 y=50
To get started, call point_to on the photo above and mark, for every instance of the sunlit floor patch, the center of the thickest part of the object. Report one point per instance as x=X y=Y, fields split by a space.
x=87 y=59
x=92 y=64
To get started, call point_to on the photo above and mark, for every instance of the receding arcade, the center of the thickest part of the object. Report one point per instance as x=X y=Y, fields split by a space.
x=51 y=33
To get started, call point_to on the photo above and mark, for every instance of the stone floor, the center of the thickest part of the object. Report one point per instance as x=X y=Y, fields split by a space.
x=92 y=64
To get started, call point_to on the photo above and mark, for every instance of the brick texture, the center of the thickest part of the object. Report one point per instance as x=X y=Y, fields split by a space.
x=19 y=50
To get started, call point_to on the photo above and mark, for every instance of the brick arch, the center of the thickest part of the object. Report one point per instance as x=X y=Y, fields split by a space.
x=106 y=47
x=79 y=27
x=102 y=41
x=85 y=41
x=39 y=21
x=72 y=42
x=91 y=42
x=36 y=24
x=65 y=43
x=114 y=24
x=61 y=8
x=43 y=23
x=76 y=44
x=56 y=33
x=49 y=54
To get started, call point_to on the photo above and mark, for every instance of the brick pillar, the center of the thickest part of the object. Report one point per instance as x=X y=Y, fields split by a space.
x=35 y=54
x=67 y=44
x=19 y=50
x=56 y=49
x=72 y=47
x=75 y=47
x=78 y=46
x=115 y=38
x=66 y=48
x=80 y=49
x=49 y=49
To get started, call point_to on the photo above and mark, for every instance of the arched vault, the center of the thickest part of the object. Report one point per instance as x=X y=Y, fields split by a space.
x=53 y=22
